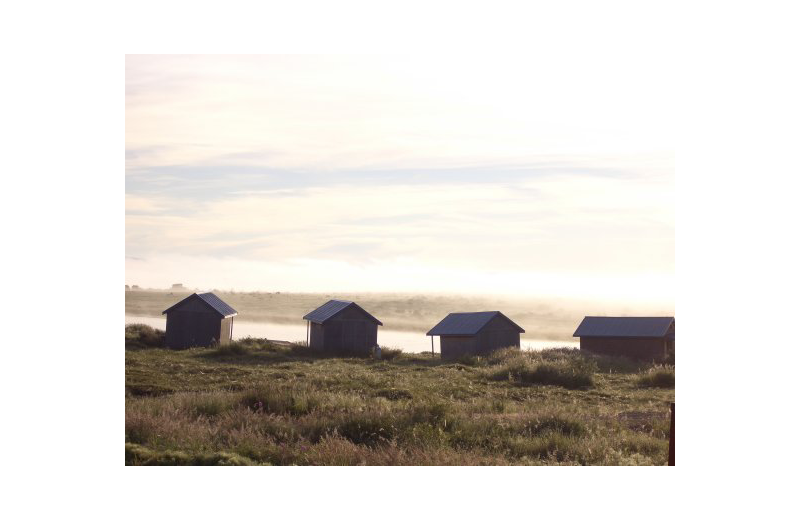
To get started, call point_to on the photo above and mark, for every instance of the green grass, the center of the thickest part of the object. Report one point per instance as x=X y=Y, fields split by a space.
x=141 y=456
x=255 y=402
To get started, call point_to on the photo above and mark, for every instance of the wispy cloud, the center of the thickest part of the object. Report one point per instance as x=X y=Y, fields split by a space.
x=543 y=224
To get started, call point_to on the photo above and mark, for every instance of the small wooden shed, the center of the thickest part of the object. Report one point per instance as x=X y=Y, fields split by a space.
x=475 y=333
x=199 y=320
x=342 y=326
x=643 y=338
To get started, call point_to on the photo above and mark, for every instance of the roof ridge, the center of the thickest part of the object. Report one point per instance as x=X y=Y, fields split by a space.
x=322 y=314
x=624 y=326
x=451 y=325
x=648 y=317
x=219 y=306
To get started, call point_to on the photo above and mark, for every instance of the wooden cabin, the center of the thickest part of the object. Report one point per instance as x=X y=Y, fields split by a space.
x=642 y=338
x=475 y=333
x=342 y=326
x=199 y=320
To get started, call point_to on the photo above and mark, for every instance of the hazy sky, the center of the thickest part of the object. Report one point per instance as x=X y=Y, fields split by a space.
x=440 y=173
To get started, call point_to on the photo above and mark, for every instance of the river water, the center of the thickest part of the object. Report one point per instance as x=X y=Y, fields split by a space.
x=404 y=340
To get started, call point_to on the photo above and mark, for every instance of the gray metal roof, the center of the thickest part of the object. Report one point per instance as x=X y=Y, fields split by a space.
x=213 y=301
x=466 y=323
x=332 y=308
x=616 y=327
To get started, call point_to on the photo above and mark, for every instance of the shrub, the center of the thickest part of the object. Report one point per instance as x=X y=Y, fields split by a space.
x=470 y=361
x=504 y=356
x=552 y=445
x=614 y=364
x=252 y=343
x=433 y=412
x=658 y=377
x=140 y=336
x=281 y=401
x=389 y=354
x=573 y=373
x=300 y=350
x=368 y=429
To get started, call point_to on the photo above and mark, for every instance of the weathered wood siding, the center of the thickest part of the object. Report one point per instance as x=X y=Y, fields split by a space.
x=317 y=339
x=453 y=347
x=192 y=324
x=349 y=330
x=671 y=339
x=497 y=334
x=645 y=349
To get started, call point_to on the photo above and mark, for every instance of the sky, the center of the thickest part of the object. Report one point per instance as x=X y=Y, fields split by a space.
x=441 y=173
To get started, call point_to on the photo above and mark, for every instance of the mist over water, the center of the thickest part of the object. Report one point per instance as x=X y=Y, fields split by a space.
x=615 y=288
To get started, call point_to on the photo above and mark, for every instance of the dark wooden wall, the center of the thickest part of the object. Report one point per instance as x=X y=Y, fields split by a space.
x=317 y=340
x=193 y=324
x=644 y=349
x=495 y=335
x=453 y=347
x=348 y=331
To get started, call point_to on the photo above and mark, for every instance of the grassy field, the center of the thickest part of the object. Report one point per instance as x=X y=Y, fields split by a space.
x=255 y=402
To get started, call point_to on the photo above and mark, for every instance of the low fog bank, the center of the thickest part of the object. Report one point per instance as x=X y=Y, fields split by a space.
x=542 y=318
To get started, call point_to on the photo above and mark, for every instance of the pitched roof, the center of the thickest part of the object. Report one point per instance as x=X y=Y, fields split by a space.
x=636 y=327
x=466 y=323
x=213 y=301
x=330 y=309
